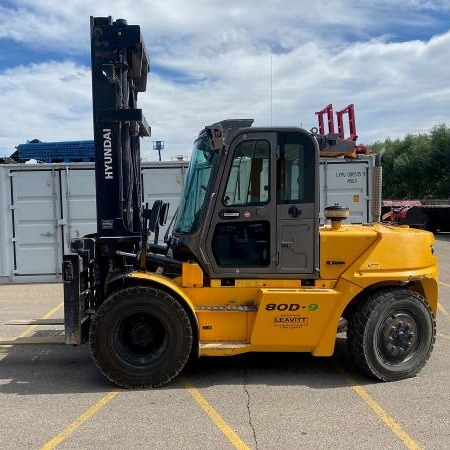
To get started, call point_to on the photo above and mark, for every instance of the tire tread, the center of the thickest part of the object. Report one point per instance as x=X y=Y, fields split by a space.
x=357 y=328
x=104 y=310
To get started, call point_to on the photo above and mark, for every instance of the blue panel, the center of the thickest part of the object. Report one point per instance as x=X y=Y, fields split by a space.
x=65 y=151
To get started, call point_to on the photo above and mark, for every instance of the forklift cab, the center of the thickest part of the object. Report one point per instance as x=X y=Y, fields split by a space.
x=250 y=204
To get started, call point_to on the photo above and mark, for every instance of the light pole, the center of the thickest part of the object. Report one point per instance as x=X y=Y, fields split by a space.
x=158 y=145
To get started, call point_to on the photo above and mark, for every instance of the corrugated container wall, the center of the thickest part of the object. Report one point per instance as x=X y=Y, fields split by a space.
x=45 y=205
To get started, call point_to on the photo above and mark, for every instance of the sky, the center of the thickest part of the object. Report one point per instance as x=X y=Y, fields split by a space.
x=275 y=61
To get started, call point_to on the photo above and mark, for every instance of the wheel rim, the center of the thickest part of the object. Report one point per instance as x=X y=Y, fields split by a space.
x=139 y=338
x=398 y=337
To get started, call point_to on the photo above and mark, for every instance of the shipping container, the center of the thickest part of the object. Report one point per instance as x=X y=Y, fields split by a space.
x=46 y=205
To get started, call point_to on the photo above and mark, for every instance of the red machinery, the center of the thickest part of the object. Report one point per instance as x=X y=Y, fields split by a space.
x=350 y=111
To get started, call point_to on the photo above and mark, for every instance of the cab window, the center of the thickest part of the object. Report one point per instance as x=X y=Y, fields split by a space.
x=295 y=169
x=242 y=244
x=248 y=181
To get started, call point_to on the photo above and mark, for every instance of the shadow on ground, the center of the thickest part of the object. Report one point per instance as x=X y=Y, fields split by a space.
x=442 y=237
x=28 y=370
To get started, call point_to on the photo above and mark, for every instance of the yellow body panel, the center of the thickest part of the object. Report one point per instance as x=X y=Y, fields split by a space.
x=398 y=255
x=192 y=275
x=302 y=320
x=281 y=315
x=218 y=326
x=339 y=249
x=166 y=282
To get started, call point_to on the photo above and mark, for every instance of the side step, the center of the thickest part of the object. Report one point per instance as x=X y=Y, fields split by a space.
x=36 y=322
x=33 y=340
x=224 y=348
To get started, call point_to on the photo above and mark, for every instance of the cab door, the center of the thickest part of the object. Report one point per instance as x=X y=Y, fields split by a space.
x=265 y=215
x=241 y=239
x=297 y=204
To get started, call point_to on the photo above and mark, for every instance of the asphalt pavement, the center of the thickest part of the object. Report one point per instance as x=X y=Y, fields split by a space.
x=54 y=396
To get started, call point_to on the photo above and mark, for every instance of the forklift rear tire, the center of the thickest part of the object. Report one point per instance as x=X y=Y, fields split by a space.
x=140 y=337
x=392 y=334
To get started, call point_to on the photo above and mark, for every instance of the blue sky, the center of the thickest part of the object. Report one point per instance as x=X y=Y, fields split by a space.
x=275 y=61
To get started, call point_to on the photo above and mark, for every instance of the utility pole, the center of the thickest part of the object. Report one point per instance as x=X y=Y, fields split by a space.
x=158 y=145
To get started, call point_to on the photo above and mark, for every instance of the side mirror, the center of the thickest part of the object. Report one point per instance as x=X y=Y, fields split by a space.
x=153 y=215
x=163 y=213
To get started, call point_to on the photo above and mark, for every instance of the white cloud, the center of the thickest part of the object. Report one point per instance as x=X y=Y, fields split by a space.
x=48 y=24
x=49 y=101
x=223 y=54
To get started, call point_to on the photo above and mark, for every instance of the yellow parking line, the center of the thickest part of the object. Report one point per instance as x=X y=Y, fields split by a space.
x=443 y=336
x=84 y=417
x=89 y=413
x=61 y=437
x=380 y=412
x=440 y=307
x=31 y=328
x=215 y=417
x=442 y=310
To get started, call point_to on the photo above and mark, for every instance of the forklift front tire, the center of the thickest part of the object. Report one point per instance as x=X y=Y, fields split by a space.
x=392 y=334
x=140 y=337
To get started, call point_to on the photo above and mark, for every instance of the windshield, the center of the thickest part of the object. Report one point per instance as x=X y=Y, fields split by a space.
x=198 y=181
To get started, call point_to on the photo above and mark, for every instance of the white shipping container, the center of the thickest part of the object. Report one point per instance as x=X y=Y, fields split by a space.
x=45 y=205
x=348 y=183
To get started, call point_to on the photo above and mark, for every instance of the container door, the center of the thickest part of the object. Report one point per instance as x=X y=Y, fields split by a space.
x=36 y=211
x=346 y=183
x=78 y=201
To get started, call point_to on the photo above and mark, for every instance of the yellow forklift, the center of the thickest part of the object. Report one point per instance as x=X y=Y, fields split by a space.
x=247 y=267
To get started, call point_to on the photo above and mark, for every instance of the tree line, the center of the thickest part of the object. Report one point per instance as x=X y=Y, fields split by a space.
x=417 y=166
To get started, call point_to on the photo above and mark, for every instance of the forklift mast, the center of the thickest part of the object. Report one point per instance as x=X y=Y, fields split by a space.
x=119 y=71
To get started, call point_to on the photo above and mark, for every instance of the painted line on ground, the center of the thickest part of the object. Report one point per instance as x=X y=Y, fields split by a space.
x=215 y=417
x=440 y=307
x=85 y=416
x=409 y=442
x=443 y=336
x=442 y=310
x=94 y=409
x=31 y=328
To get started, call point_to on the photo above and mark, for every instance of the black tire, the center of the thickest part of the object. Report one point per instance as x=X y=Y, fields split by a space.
x=140 y=337
x=392 y=334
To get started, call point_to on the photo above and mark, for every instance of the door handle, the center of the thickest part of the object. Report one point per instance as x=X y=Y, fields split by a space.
x=48 y=234
x=286 y=244
x=229 y=214
x=294 y=211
